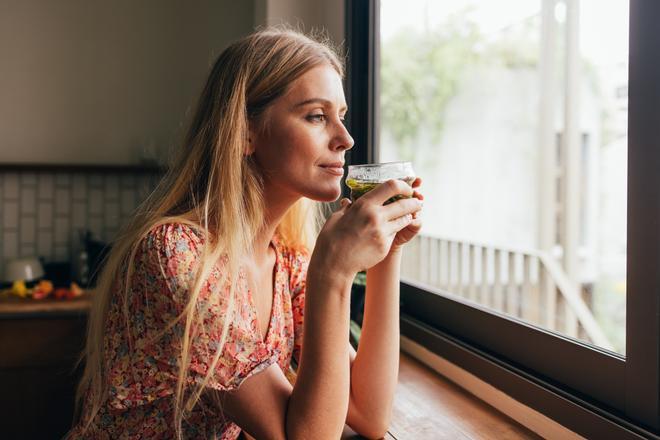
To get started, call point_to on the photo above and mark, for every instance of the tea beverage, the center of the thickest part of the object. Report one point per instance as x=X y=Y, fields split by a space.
x=363 y=178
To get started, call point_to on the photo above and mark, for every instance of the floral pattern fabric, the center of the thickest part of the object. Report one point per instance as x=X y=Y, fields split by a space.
x=142 y=356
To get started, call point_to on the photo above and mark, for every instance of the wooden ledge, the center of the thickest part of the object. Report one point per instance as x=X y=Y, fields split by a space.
x=428 y=406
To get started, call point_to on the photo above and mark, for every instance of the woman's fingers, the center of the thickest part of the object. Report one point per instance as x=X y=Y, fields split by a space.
x=408 y=223
x=402 y=207
x=398 y=224
x=416 y=224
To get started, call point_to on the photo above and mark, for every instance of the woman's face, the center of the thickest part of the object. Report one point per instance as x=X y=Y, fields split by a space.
x=301 y=150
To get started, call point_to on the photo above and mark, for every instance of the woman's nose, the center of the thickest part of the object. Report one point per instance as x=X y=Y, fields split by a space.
x=343 y=139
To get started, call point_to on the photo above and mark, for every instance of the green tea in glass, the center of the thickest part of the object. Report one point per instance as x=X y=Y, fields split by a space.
x=363 y=178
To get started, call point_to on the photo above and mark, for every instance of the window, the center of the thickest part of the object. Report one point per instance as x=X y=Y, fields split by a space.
x=476 y=97
x=549 y=294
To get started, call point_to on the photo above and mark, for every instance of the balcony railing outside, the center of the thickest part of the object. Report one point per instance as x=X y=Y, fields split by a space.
x=525 y=284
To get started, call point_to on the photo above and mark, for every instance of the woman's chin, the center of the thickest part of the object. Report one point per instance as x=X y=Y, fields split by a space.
x=328 y=195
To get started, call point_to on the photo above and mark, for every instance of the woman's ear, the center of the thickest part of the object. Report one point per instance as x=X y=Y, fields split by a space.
x=251 y=140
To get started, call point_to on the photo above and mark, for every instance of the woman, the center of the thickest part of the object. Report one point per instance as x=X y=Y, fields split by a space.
x=199 y=312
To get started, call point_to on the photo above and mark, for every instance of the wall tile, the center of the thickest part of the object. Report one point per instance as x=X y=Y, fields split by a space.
x=45 y=244
x=79 y=186
x=10 y=215
x=40 y=212
x=10 y=186
x=112 y=215
x=27 y=250
x=95 y=224
x=62 y=201
x=62 y=227
x=45 y=186
x=95 y=180
x=127 y=181
x=45 y=215
x=109 y=235
x=127 y=201
x=61 y=253
x=28 y=200
x=10 y=244
x=95 y=202
x=79 y=219
x=62 y=179
x=28 y=231
x=28 y=179
x=112 y=187
x=144 y=187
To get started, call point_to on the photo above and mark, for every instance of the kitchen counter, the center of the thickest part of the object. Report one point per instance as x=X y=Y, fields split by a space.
x=20 y=308
x=40 y=342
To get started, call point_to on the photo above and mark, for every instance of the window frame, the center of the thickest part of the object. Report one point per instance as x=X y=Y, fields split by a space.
x=598 y=392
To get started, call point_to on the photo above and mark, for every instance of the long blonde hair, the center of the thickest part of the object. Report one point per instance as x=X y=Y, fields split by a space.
x=213 y=186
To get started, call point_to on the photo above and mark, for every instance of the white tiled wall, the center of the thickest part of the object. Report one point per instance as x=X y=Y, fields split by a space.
x=42 y=212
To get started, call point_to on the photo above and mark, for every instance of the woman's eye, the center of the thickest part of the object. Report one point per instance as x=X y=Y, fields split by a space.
x=316 y=118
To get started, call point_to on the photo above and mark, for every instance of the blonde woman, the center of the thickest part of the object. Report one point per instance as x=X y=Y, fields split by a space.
x=198 y=322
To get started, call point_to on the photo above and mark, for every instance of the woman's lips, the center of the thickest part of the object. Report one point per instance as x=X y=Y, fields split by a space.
x=336 y=171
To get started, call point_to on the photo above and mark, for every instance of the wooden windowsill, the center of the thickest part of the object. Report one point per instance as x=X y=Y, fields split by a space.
x=428 y=406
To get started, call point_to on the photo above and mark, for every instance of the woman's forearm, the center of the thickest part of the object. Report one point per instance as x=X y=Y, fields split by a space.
x=319 y=401
x=376 y=366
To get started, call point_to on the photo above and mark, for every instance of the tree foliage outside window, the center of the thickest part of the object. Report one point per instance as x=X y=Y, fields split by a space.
x=421 y=71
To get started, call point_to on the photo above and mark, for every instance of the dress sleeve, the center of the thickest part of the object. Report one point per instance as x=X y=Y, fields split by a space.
x=170 y=257
x=299 y=264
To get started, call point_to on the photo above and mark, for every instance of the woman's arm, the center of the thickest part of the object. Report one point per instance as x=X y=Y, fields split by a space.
x=376 y=366
x=319 y=401
x=266 y=406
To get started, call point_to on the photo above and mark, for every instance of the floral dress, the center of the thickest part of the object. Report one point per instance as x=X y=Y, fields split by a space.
x=142 y=356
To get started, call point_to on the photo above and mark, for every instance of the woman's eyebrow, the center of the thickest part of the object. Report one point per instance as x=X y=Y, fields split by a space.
x=325 y=102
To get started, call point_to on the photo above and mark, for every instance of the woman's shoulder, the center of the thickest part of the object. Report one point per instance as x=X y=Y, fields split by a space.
x=170 y=252
x=173 y=237
x=170 y=247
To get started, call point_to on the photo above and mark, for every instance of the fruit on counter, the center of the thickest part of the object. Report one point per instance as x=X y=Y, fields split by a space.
x=73 y=291
x=61 y=293
x=18 y=288
x=42 y=289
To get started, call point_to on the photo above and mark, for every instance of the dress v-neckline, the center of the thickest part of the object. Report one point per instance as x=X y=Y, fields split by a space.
x=275 y=298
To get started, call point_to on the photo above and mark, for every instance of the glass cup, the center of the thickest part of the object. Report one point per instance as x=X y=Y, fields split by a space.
x=363 y=178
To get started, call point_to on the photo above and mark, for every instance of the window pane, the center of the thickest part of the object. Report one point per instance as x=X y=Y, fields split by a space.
x=515 y=113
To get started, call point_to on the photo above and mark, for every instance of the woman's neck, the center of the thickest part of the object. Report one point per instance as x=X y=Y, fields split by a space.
x=276 y=204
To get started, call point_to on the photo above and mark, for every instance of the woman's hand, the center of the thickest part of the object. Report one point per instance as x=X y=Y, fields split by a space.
x=360 y=235
x=408 y=233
